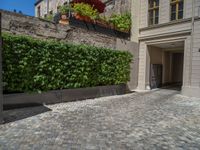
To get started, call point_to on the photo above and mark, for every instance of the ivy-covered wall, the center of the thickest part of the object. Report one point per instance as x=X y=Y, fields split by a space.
x=35 y=65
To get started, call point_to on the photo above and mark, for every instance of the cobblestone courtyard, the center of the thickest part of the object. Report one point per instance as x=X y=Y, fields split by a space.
x=161 y=119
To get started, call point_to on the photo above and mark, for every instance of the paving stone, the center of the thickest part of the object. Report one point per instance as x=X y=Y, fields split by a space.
x=161 y=119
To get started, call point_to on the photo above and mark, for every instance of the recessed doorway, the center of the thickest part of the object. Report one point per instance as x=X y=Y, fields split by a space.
x=166 y=64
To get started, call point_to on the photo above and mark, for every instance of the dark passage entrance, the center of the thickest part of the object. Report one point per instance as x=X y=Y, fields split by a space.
x=156 y=76
x=177 y=68
x=166 y=64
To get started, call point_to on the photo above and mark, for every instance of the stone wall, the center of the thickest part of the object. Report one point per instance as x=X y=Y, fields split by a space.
x=25 y=25
x=19 y=24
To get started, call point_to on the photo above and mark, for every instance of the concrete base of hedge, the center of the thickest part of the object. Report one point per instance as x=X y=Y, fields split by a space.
x=68 y=95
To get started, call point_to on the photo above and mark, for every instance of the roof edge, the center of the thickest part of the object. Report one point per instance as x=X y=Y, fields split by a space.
x=39 y=1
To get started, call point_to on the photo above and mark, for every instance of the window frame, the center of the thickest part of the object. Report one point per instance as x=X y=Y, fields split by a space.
x=176 y=3
x=153 y=9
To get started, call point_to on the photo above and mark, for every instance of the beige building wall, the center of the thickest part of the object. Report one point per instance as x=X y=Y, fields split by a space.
x=43 y=8
x=170 y=32
x=53 y=4
x=164 y=12
x=192 y=67
x=131 y=47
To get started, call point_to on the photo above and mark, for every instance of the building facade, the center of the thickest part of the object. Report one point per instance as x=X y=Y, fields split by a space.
x=43 y=7
x=168 y=34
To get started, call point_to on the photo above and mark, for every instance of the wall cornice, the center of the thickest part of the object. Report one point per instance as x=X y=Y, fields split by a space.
x=168 y=24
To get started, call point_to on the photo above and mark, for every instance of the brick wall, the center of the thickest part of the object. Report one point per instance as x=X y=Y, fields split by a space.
x=19 y=24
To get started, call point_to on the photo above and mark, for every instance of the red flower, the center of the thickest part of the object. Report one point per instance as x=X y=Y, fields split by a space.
x=97 y=4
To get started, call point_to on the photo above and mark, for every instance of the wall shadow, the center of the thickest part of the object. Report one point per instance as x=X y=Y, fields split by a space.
x=13 y=113
x=173 y=86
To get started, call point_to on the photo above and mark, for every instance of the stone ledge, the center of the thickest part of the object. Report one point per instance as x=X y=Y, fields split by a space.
x=68 y=95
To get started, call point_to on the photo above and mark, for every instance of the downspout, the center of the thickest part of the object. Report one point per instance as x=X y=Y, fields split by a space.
x=191 y=42
x=1 y=82
x=47 y=6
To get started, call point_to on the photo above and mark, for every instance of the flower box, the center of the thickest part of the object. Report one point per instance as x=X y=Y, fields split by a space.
x=99 y=26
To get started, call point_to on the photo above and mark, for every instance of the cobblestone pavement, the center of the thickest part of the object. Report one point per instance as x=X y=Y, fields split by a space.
x=161 y=119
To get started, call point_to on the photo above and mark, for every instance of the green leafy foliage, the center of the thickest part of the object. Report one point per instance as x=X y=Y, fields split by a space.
x=64 y=9
x=85 y=10
x=121 y=22
x=49 y=17
x=32 y=65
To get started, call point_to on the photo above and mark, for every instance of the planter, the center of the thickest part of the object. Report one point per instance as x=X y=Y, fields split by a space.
x=98 y=26
x=79 y=17
x=103 y=24
x=87 y=19
x=68 y=95
x=64 y=19
x=123 y=34
x=81 y=24
x=104 y=29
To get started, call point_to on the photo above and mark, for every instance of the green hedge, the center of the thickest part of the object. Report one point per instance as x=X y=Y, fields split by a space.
x=32 y=65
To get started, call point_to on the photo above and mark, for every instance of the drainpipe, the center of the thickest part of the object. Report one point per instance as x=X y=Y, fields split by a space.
x=191 y=42
x=47 y=6
x=1 y=82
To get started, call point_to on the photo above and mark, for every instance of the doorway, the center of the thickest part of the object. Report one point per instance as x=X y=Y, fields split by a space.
x=166 y=65
x=155 y=76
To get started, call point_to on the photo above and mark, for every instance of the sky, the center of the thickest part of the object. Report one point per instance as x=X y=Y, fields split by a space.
x=26 y=6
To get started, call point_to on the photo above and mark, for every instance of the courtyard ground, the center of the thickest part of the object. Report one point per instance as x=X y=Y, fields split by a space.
x=161 y=119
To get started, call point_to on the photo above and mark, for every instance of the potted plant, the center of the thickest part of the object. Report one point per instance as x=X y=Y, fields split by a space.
x=121 y=22
x=86 y=12
x=64 y=13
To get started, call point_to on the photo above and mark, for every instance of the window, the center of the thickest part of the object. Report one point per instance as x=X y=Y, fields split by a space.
x=177 y=9
x=38 y=11
x=153 y=12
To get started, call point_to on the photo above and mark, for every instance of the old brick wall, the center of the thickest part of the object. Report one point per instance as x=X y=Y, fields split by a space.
x=39 y=28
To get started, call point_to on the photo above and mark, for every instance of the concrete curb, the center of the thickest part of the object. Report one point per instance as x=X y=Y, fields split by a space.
x=68 y=95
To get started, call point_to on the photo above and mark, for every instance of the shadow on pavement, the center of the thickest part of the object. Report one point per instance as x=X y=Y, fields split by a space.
x=17 y=112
